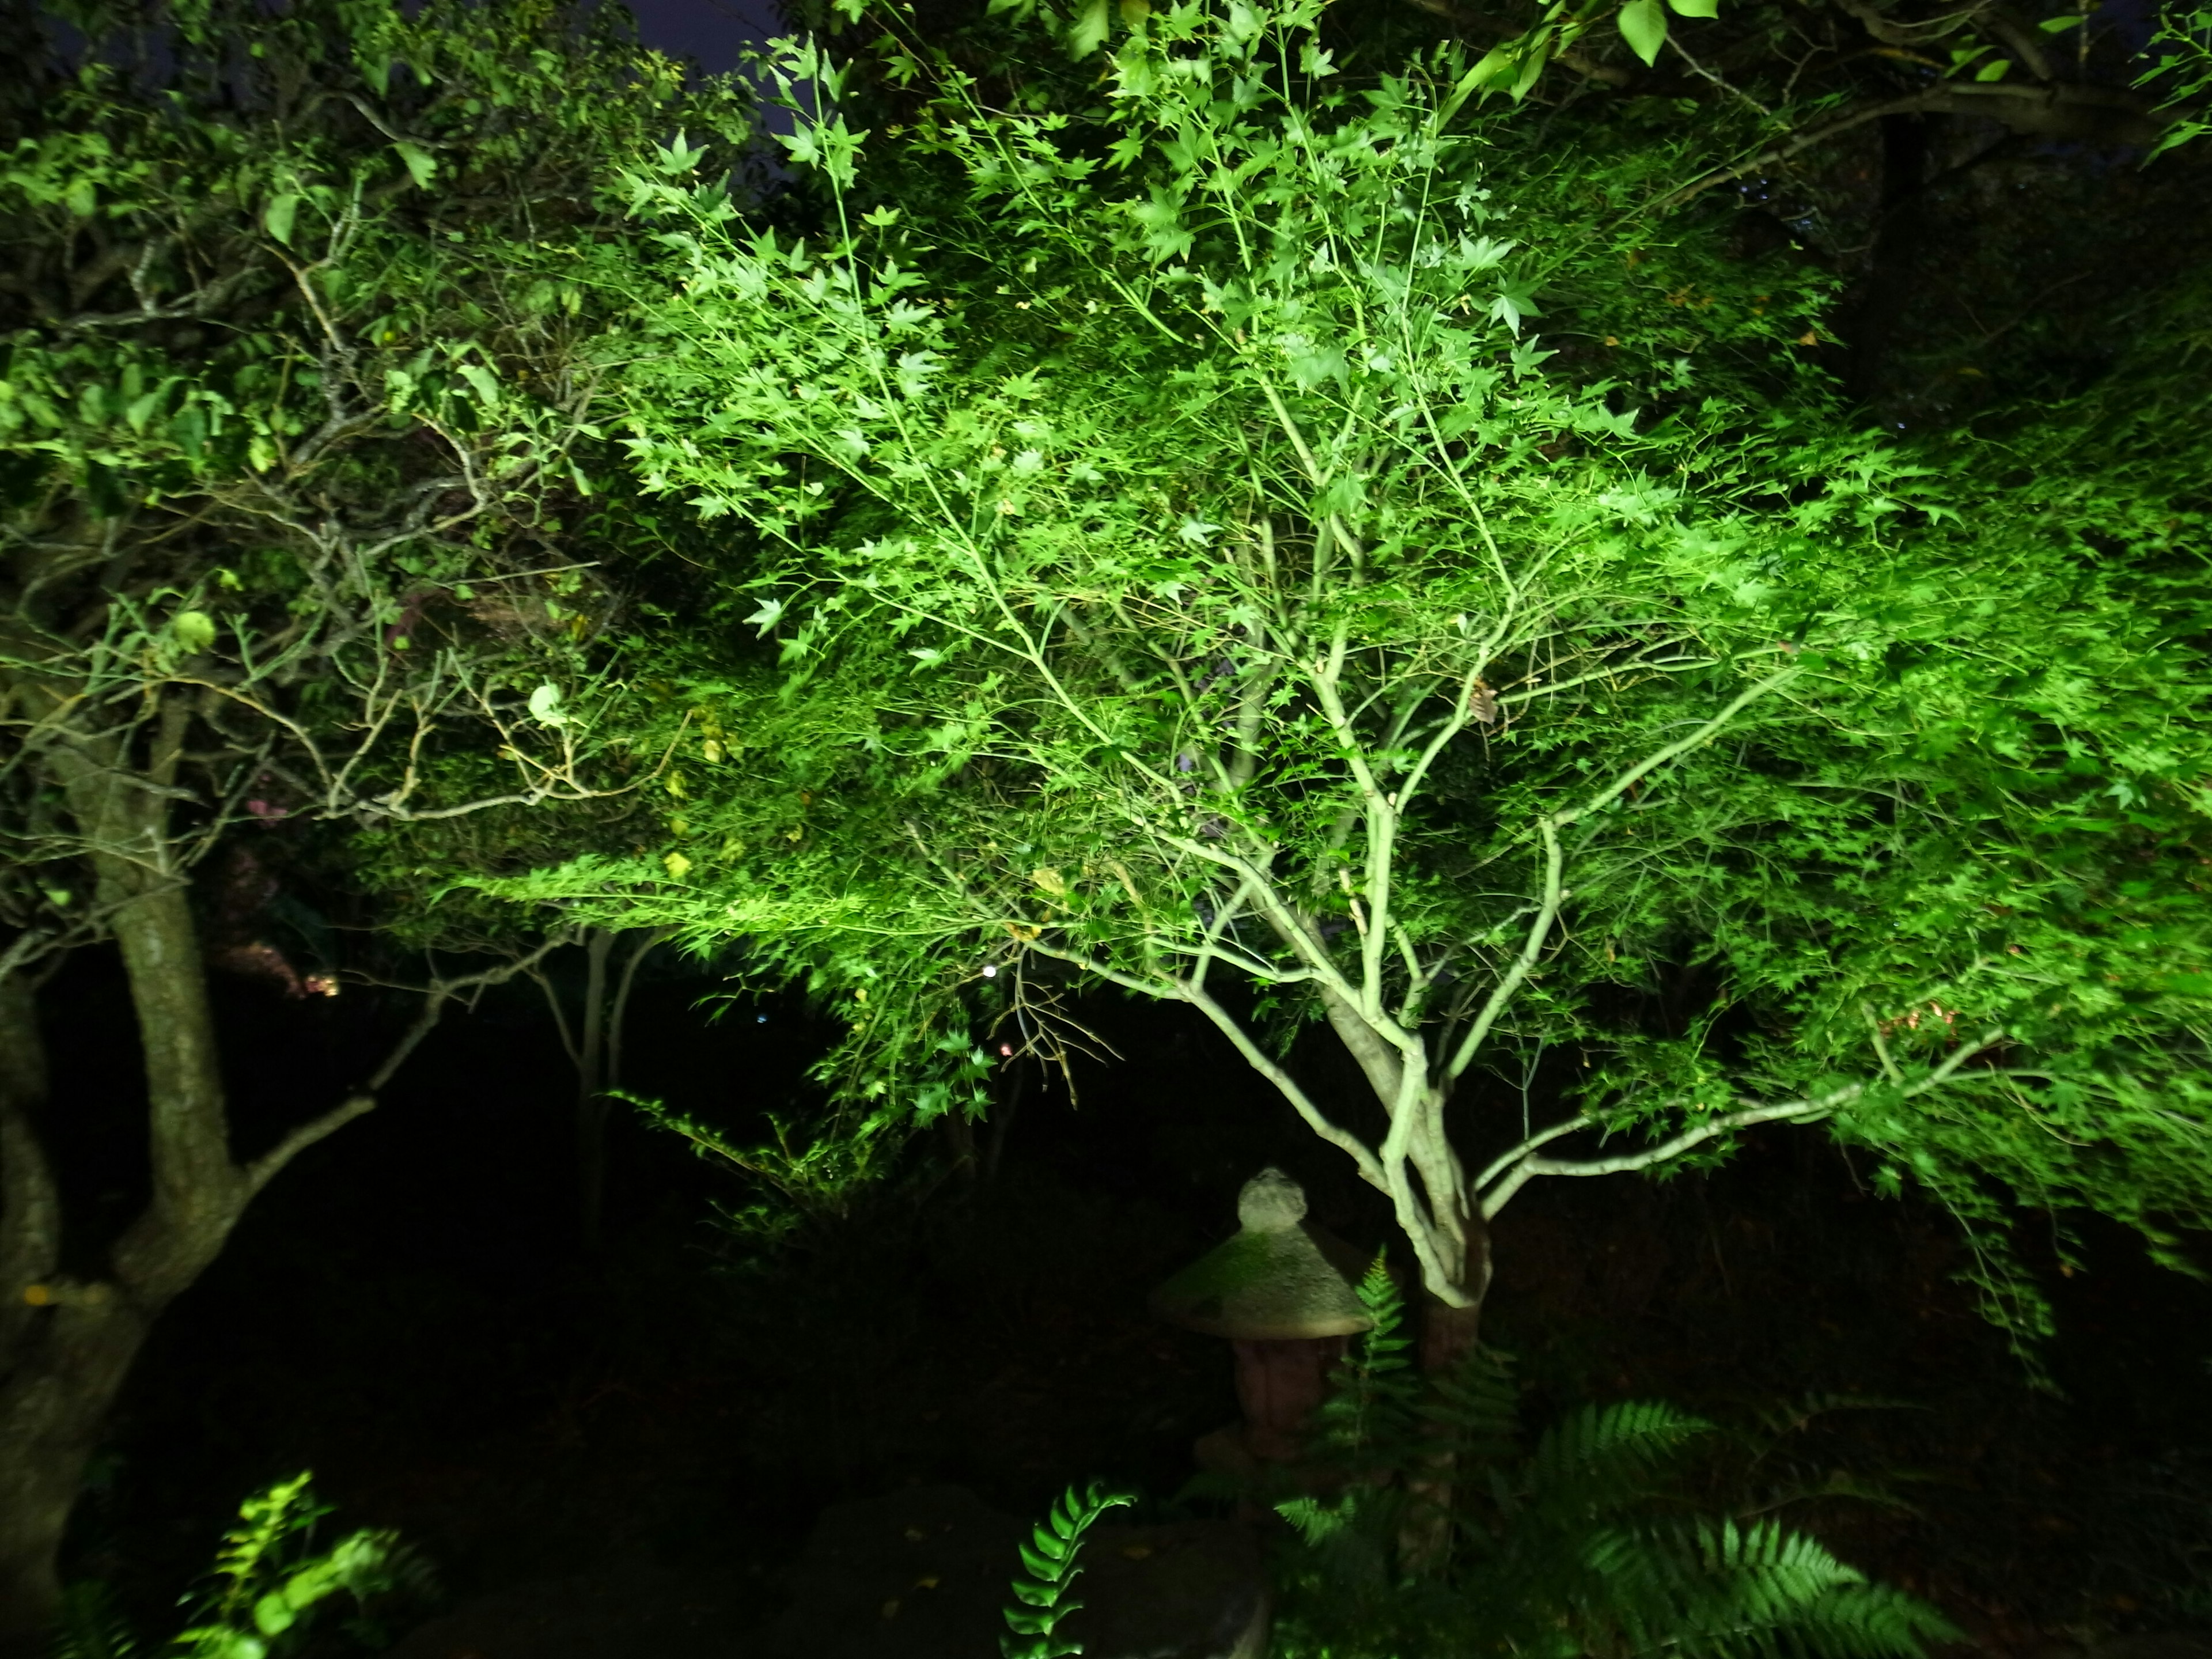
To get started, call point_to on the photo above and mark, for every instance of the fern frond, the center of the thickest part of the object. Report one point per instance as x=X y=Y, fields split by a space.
x=1369 y=1418
x=1598 y=1458
x=91 y=1625
x=268 y=1519
x=264 y=1587
x=1764 y=1592
x=1051 y=1557
x=1476 y=1408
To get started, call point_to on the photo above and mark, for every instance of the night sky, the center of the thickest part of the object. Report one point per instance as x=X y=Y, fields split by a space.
x=710 y=32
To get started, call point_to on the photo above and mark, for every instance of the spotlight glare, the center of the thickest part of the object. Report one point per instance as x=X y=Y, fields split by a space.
x=990 y=970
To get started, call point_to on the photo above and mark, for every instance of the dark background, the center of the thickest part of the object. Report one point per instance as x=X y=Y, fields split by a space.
x=407 y=1312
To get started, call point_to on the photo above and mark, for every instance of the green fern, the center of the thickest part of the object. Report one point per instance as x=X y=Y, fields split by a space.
x=264 y=1591
x=91 y=1625
x=265 y=1584
x=1371 y=1413
x=1050 y=1560
x=1575 y=1546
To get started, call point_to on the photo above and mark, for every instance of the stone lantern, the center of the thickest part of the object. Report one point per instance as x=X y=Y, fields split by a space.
x=1281 y=1291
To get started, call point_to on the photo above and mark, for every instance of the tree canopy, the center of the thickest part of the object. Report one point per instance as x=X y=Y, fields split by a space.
x=297 y=406
x=1192 y=572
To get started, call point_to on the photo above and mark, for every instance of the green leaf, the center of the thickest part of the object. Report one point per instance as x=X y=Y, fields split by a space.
x=1088 y=32
x=276 y=217
x=273 y=1615
x=193 y=631
x=1515 y=300
x=1643 y=25
x=487 y=388
x=422 y=165
x=545 y=706
x=1995 y=69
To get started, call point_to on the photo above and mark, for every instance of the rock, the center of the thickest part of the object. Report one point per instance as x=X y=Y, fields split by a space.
x=628 y=1612
x=2156 y=1645
x=921 y=1574
x=925 y=1574
x=1190 y=1589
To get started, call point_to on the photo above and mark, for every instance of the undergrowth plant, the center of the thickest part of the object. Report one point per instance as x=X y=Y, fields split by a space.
x=268 y=1581
x=1041 y=1592
x=1582 y=1544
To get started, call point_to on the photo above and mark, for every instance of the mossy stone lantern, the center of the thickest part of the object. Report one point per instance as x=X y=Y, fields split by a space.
x=1281 y=1291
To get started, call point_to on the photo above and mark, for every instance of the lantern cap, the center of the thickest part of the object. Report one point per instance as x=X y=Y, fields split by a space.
x=1278 y=1278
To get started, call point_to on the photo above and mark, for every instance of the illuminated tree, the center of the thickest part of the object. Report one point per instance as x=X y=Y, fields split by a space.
x=1199 y=579
x=295 y=424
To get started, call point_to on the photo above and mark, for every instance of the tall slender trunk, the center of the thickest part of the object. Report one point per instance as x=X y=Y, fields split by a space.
x=591 y=1091
x=67 y=1343
x=1450 y=1329
x=1450 y=1325
x=1900 y=230
x=595 y=1049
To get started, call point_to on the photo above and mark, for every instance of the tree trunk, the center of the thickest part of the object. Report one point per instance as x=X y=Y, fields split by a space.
x=1886 y=288
x=591 y=1091
x=66 y=1345
x=1447 y=1335
x=55 y=1389
x=1450 y=1332
x=595 y=1049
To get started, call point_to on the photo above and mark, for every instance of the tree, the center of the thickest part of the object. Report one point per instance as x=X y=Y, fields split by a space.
x=295 y=420
x=1976 y=173
x=415 y=873
x=1199 y=579
x=1978 y=177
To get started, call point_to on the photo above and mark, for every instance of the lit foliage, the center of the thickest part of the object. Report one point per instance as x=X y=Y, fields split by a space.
x=268 y=1583
x=1044 y=1590
x=2182 y=72
x=1197 y=576
x=1577 y=1544
x=295 y=406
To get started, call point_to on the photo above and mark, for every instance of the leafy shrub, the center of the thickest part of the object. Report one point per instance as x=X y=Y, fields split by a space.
x=267 y=1582
x=1445 y=1534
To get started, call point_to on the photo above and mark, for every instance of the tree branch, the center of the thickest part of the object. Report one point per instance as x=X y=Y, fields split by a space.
x=2065 y=110
x=263 y=1169
x=1521 y=1164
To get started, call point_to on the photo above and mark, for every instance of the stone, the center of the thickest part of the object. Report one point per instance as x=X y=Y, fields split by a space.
x=1277 y=1280
x=926 y=1574
x=2155 y=1644
x=920 y=1574
x=631 y=1609
x=1188 y=1590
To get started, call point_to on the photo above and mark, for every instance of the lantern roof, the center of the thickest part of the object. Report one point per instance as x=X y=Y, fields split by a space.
x=1278 y=1278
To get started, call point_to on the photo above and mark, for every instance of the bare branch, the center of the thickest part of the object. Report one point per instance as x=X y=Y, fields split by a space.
x=2062 y=110
x=263 y=1169
x=1518 y=1166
